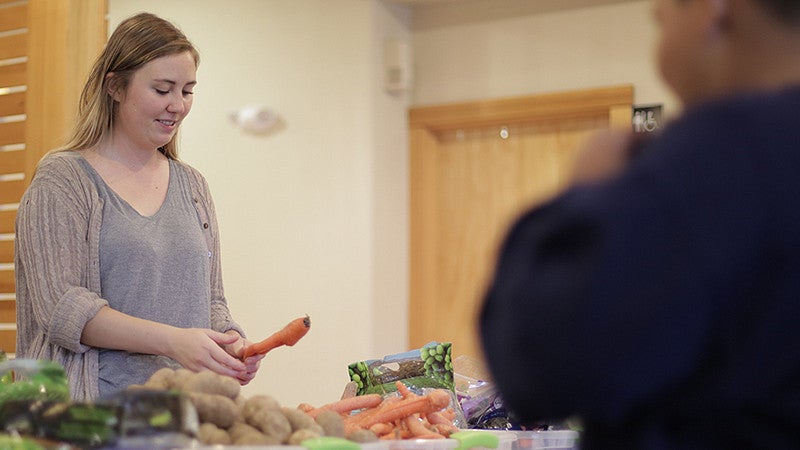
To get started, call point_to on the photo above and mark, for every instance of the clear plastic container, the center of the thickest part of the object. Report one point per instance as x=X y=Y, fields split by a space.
x=506 y=439
x=466 y=440
x=423 y=444
x=546 y=440
x=383 y=445
x=234 y=447
x=378 y=445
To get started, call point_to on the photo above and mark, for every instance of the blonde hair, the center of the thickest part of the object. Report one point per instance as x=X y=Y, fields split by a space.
x=135 y=42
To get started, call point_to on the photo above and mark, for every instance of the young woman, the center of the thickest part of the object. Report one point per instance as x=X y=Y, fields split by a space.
x=117 y=247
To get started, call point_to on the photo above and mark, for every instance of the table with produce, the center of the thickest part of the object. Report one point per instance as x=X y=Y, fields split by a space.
x=417 y=400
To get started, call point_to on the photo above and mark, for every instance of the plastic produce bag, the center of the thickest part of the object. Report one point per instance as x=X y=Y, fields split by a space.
x=30 y=379
x=426 y=367
x=131 y=419
x=481 y=404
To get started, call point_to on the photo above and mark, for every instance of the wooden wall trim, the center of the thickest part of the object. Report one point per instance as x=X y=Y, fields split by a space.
x=553 y=106
x=423 y=223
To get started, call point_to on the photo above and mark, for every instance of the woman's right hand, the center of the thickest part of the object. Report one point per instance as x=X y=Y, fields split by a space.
x=198 y=348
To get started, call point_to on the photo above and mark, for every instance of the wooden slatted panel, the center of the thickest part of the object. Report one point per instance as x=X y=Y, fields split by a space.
x=12 y=161
x=12 y=104
x=6 y=280
x=13 y=74
x=8 y=312
x=8 y=340
x=47 y=47
x=13 y=46
x=11 y=191
x=6 y=253
x=14 y=17
x=7 y=221
x=11 y=133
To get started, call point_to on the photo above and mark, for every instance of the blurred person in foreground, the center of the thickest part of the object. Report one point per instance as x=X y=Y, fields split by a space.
x=117 y=250
x=658 y=298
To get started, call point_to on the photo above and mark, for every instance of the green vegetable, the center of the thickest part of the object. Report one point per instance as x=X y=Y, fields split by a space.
x=35 y=380
x=8 y=377
x=18 y=443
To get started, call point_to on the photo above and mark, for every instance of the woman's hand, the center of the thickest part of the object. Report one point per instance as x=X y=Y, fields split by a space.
x=252 y=363
x=194 y=348
x=199 y=348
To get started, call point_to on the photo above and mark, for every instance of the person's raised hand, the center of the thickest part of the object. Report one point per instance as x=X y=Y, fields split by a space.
x=603 y=155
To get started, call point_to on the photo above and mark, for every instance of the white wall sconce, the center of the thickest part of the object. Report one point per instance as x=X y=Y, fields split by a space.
x=254 y=119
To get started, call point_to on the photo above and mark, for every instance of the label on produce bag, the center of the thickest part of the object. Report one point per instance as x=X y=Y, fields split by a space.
x=426 y=367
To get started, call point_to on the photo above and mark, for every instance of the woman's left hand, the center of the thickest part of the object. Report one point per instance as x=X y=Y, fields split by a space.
x=252 y=363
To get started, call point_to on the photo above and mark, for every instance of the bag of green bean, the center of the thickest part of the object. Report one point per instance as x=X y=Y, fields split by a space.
x=427 y=367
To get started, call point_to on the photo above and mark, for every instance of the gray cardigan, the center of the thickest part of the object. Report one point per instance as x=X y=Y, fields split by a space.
x=57 y=266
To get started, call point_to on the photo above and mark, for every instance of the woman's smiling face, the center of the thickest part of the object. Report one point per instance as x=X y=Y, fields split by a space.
x=157 y=99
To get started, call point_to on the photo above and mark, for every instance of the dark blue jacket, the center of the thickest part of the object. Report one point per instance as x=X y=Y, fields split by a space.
x=663 y=306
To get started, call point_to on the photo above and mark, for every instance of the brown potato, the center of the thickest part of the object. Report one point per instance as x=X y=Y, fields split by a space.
x=300 y=420
x=209 y=434
x=261 y=412
x=299 y=436
x=212 y=383
x=215 y=408
x=331 y=422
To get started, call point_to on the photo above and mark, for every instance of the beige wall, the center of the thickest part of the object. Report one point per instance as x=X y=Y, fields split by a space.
x=499 y=48
x=314 y=216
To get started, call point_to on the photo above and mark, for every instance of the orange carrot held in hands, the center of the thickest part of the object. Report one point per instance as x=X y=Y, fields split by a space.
x=289 y=335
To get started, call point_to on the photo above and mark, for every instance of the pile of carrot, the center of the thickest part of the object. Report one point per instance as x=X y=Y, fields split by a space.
x=406 y=416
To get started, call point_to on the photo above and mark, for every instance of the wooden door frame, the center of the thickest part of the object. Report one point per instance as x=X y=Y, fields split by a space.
x=424 y=122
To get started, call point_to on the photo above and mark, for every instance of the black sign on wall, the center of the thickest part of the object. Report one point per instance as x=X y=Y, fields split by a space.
x=646 y=118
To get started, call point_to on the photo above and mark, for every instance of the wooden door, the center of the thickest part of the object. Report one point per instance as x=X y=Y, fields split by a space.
x=474 y=168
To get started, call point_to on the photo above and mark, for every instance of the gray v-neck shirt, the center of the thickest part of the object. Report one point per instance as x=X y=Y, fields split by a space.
x=153 y=267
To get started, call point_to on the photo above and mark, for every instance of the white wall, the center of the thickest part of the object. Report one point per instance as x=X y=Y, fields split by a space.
x=390 y=238
x=500 y=48
x=314 y=217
